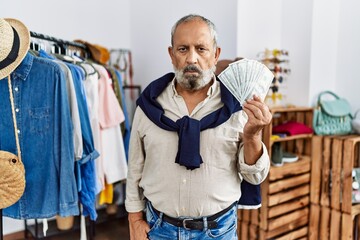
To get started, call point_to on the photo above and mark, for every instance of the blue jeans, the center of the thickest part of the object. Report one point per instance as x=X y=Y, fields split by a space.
x=161 y=230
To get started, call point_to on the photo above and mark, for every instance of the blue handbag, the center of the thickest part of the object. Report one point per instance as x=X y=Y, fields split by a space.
x=332 y=117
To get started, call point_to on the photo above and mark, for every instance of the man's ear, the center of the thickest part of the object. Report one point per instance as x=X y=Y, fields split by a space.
x=217 y=54
x=170 y=51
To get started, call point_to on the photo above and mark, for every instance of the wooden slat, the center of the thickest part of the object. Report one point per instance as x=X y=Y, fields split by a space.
x=290 y=169
x=299 y=146
x=325 y=177
x=314 y=222
x=324 y=223
x=239 y=215
x=285 y=184
x=348 y=164
x=316 y=163
x=302 y=232
x=288 y=206
x=309 y=118
x=288 y=195
x=293 y=137
x=336 y=164
x=254 y=217
x=290 y=109
x=253 y=232
x=355 y=210
x=335 y=223
x=295 y=224
x=346 y=227
x=285 y=220
x=244 y=232
x=264 y=205
x=246 y=215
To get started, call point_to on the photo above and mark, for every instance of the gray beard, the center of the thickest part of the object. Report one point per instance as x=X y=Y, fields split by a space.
x=194 y=82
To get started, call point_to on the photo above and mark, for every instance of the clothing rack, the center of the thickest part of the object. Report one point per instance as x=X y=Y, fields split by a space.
x=63 y=44
x=1 y=225
x=120 y=50
x=34 y=230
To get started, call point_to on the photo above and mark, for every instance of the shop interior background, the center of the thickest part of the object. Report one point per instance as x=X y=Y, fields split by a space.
x=322 y=37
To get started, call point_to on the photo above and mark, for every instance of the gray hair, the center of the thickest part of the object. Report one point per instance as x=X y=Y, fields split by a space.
x=191 y=17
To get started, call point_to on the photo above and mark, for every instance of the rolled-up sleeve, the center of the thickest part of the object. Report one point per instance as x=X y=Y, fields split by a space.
x=134 y=201
x=257 y=172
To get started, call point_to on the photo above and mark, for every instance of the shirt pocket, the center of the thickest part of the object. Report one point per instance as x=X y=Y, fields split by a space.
x=39 y=120
x=221 y=147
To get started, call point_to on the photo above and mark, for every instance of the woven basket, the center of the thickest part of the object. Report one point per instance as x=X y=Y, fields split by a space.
x=64 y=223
x=12 y=179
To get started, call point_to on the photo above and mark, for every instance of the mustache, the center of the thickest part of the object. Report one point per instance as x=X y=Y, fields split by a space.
x=191 y=68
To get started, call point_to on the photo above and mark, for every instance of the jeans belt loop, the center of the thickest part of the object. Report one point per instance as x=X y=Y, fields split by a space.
x=205 y=224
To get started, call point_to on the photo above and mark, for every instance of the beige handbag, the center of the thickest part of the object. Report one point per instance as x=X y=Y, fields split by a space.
x=12 y=171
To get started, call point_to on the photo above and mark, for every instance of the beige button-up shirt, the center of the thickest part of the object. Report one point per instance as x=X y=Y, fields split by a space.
x=171 y=188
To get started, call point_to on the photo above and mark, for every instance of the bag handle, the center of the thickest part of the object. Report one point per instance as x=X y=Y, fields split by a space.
x=14 y=118
x=356 y=113
x=324 y=93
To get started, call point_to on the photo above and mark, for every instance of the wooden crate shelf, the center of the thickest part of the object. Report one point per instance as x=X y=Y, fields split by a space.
x=332 y=212
x=285 y=193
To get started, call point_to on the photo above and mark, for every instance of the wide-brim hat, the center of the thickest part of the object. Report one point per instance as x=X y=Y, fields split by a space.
x=14 y=44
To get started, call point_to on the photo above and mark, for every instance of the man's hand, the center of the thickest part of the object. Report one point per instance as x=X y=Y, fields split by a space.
x=259 y=116
x=138 y=226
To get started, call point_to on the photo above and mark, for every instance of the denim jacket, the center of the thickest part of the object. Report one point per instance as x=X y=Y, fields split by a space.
x=85 y=167
x=45 y=135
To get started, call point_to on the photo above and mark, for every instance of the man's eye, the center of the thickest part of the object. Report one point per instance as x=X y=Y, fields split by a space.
x=182 y=49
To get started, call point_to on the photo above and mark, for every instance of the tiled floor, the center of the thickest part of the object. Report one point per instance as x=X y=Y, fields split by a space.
x=118 y=229
x=113 y=230
x=107 y=227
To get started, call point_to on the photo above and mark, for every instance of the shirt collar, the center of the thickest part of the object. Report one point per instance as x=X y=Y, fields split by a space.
x=23 y=70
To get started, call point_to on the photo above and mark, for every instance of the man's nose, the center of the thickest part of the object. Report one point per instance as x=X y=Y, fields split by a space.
x=192 y=57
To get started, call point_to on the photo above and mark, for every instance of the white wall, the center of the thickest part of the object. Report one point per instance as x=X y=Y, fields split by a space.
x=348 y=53
x=296 y=38
x=151 y=23
x=335 y=50
x=324 y=47
x=279 y=24
x=259 y=26
x=106 y=23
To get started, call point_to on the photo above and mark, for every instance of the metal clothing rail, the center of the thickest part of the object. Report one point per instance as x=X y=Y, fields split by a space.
x=57 y=40
x=62 y=43
x=1 y=225
x=120 y=50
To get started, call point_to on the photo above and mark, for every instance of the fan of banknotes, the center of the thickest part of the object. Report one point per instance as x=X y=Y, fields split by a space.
x=246 y=78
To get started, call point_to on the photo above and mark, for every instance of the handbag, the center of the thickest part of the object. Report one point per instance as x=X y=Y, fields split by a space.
x=356 y=122
x=12 y=171
x=332 y=117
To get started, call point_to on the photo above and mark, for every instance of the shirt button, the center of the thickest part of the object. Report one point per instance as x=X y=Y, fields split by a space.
x=18 y=131
x=183 y=208
x=16 y=89
x=17 y=110
x=184 y=180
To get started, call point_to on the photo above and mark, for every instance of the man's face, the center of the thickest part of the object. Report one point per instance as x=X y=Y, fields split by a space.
x=193 y=55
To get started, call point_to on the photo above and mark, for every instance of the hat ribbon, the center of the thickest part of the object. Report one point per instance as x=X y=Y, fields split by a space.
x=11 y=57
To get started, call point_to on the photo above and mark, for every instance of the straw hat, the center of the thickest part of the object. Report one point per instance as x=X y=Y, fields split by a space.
x=14 y=44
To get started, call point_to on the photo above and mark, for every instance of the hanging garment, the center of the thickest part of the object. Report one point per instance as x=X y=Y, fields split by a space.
x=46 y=139
x=110 y=117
